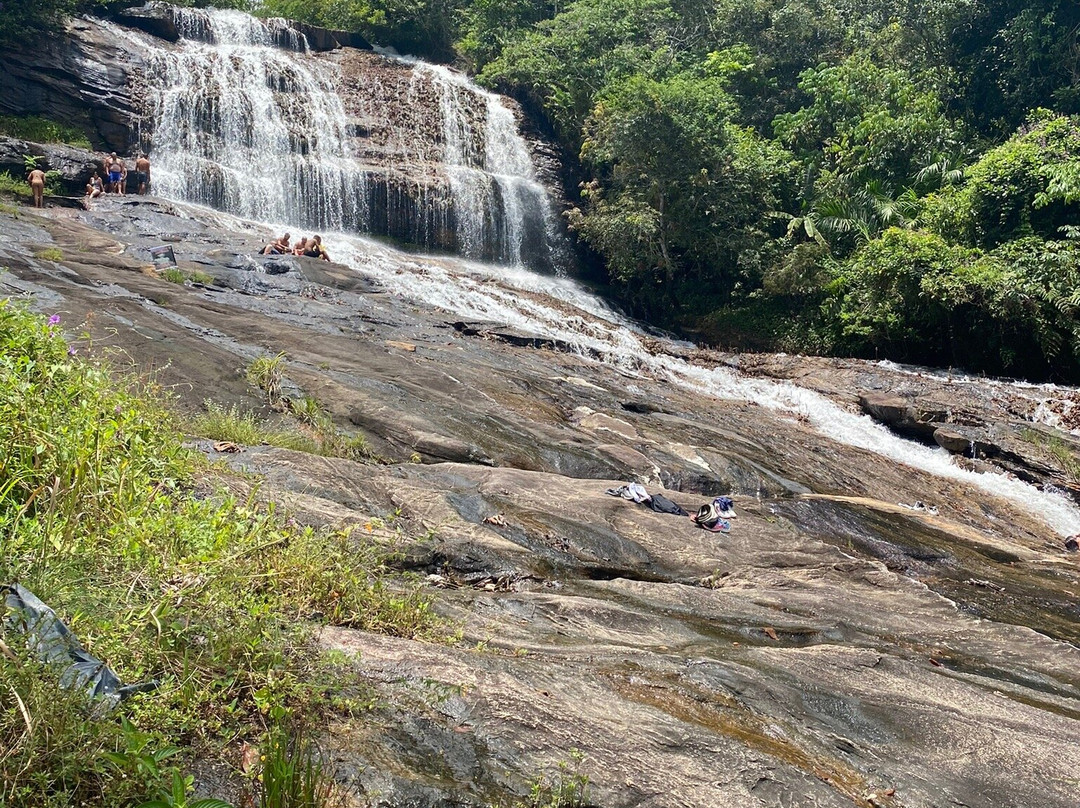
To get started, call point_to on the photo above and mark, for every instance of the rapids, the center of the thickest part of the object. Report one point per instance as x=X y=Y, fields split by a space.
x=257 y=130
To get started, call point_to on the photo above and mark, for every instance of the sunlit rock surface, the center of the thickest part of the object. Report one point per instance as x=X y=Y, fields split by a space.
x=867 y=634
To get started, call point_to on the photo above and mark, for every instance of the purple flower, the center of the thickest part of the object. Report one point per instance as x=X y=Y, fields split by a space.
x=54 y=320
x=71 y=350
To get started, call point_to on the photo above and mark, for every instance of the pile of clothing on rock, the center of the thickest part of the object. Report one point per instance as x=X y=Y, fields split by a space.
x=713 y=516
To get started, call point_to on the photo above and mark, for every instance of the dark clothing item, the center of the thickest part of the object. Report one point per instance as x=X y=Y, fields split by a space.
x=52 y=641
x=662 y=504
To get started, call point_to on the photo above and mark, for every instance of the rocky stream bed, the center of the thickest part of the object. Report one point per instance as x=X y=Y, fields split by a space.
x=840 y=646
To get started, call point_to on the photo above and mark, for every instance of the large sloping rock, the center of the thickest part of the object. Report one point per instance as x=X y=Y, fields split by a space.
x=866 y=634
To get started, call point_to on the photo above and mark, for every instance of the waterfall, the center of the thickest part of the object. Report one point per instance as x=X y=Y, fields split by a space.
x=247 y=120
x=498 y=204
x=246 y=127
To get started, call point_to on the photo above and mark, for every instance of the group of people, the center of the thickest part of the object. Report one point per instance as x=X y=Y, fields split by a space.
x=115 y=180
x=310 y=247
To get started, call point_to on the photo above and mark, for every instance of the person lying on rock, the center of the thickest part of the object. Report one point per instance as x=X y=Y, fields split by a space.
x=278 y=247
x=37 y=185
x=95 y=187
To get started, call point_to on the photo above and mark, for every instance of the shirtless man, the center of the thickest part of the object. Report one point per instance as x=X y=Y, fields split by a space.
x=142 y=172
x=117 y=174
x=279 y=247
x=315 y=249
x=37 y=185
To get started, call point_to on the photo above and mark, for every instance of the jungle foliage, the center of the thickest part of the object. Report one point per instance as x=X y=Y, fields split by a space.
x=756 y=171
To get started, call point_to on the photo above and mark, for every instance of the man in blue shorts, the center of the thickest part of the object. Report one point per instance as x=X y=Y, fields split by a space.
x=117 y=174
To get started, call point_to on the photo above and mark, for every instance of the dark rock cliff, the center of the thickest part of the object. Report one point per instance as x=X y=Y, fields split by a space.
x=85 y=77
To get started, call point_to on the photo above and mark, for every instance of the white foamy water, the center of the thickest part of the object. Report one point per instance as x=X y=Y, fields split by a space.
x=243 y=125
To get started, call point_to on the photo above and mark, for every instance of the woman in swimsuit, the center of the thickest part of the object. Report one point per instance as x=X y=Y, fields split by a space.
x=95 y=188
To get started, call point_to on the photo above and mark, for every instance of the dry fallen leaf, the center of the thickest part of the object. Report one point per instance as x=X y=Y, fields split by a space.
x=771 y=632
x=249 y=757
x=226 y=446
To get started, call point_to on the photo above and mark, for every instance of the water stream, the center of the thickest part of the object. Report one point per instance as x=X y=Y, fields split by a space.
x=230 y=132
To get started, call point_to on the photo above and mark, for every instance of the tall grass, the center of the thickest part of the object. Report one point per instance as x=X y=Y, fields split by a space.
x=212 y=596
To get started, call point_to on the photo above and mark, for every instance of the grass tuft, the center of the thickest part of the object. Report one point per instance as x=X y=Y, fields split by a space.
x=50 y=254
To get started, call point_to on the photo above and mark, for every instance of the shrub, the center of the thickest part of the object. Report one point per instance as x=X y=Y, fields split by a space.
x=14 y=185
x=1015 y=190
x=916 y=298
x=50 y=254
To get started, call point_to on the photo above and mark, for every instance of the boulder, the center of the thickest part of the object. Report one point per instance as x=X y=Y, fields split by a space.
x=952 y=441
x=325 y=39
x=281 y=265
x=917 y=419
x=964 y=441
x=76 y=166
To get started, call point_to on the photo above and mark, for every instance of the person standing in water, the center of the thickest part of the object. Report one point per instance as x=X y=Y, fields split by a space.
x=37 y=185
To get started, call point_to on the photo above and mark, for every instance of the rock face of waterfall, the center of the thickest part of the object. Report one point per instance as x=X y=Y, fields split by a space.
x=242 y=116
x=276 y=121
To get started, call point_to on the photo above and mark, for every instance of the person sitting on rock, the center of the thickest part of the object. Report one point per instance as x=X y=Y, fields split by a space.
x=95 y=187
x=315 y=249
x=37 y=185
x=278 y=247
x=301 y=247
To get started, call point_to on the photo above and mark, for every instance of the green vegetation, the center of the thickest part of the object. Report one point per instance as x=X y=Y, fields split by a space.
x=42 y=130
x=1065 y=455
x=247 y=429
x=50 y=254
x=14 y=186
x=293 y=774
x=214 y=597
x=315 y=431
x=181 y=276
x=568 y=787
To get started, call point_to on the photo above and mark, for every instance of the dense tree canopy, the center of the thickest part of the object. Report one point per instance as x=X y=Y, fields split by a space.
x=879 y=177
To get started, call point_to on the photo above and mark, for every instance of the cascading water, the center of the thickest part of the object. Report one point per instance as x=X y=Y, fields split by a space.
x=258 y=131
x=246 y=127
x=497 y=199
x=245 y=120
